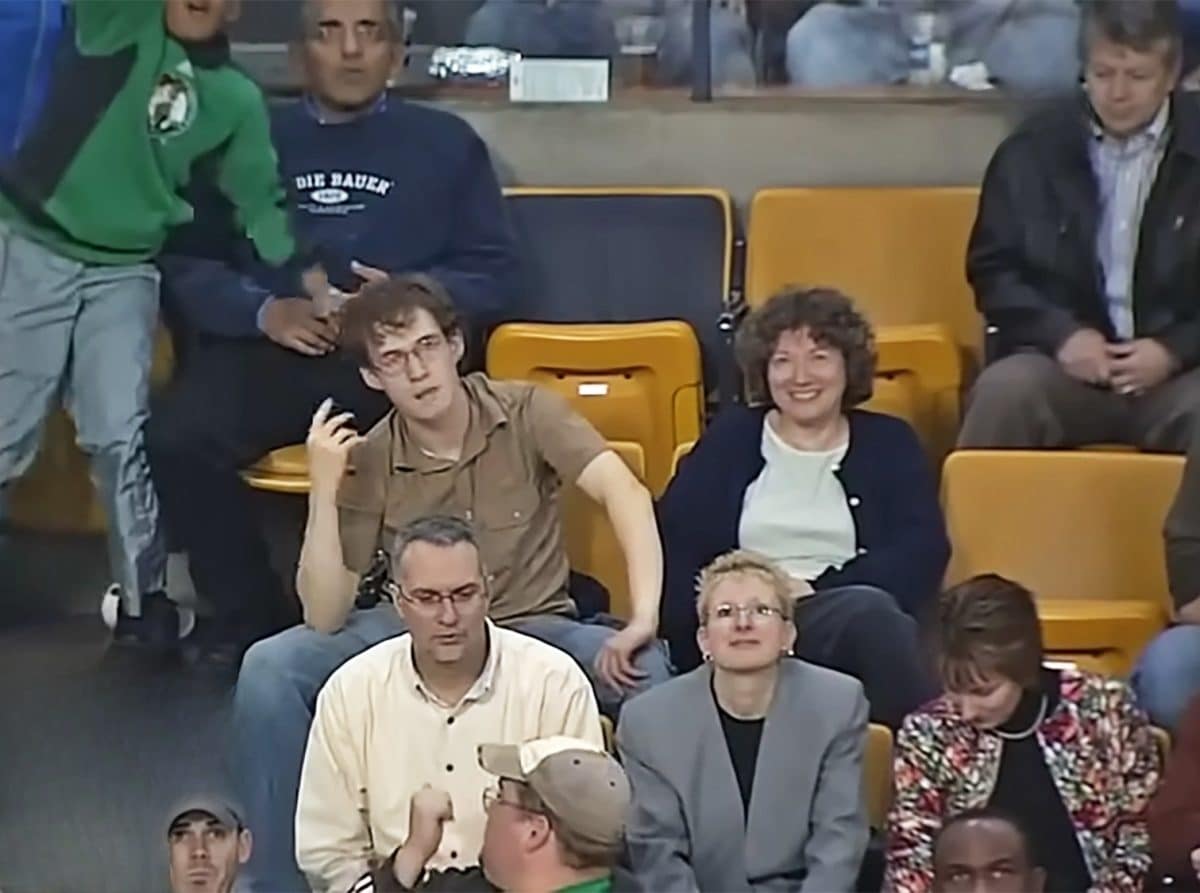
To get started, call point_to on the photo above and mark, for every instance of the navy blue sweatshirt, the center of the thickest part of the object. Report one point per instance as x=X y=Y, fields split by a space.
x=403 y=187
x=891 y=492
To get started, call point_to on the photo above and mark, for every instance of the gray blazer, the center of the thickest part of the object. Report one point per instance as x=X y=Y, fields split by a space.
x=806 y=828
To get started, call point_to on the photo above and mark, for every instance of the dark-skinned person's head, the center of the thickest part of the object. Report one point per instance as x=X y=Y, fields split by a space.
x=985 y=851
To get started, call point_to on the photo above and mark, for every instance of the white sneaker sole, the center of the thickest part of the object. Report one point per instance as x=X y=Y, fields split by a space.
x=110 y=608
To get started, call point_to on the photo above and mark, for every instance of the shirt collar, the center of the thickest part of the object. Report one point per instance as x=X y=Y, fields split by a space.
x=486 y=414
x=314 y=110
x=596 y=885
x=483 y=685
x=1151 y=134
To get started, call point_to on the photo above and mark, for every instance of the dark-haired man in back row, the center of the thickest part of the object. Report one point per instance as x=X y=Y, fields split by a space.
x=381 y=185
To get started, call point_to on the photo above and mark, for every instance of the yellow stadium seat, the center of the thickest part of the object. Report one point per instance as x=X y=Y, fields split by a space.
x=877 y=774
x=636 y=382
x=594 y=254
x=1082 y=530
x=680 y=451
x=1106 y=663
x=1162 y=743
x=592 y=547
x=900 y=253
x=56 y=494
x=284 y=470
x=609 y=733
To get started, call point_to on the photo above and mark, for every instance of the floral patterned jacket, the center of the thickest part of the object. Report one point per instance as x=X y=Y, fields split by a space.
x=1098 y=748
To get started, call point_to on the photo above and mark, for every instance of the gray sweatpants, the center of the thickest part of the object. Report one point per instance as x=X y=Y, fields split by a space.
x=85 y=332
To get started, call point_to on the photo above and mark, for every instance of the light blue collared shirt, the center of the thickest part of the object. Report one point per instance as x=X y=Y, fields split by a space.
x=1125 y=170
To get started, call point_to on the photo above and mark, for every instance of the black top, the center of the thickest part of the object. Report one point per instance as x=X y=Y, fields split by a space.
x=1032 y=258
x=742 y=737
x=1026 y=791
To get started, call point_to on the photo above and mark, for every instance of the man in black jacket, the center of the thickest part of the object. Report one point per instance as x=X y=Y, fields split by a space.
x=1085 y=257
x=1085 y=260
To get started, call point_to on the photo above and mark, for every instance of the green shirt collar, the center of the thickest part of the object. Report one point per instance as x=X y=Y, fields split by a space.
x=599 y=885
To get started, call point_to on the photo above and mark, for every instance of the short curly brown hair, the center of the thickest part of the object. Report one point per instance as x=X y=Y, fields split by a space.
x=830 y=318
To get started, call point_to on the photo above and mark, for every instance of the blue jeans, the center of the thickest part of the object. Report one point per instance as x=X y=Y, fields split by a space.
x=84 y=332
x=861 y=631
x=273 y=707
x=730 y=42
x=1030 y=49
x=1167 y=675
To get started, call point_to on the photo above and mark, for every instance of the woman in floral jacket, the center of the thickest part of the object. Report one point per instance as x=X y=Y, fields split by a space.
x=1068 y=754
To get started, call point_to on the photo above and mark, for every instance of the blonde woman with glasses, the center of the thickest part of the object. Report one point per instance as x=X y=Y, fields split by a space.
x=747 y=771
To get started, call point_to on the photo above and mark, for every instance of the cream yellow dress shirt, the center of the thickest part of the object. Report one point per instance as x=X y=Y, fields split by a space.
x=378 y=735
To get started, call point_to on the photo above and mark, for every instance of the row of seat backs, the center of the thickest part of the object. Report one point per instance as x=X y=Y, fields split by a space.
x=605 y=254
x=615 y=256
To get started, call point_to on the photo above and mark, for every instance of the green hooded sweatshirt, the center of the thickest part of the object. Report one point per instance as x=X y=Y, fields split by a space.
x=130 y=114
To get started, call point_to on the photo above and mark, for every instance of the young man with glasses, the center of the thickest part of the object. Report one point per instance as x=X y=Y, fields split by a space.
x=381 y=185
x=495 y=453
x=410 y=713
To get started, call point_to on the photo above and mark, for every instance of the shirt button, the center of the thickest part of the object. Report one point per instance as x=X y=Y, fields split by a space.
x=454 y=854
x=449 y=767
x=450 y=721
x=862 y=550
x=854 y=500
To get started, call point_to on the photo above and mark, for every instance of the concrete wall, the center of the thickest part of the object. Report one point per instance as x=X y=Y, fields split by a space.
x=744 y=145
x=657 y=137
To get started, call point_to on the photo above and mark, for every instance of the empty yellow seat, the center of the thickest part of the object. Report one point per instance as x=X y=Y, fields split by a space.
x=615 y=254
x=877 y=774
x=592 y=547
x=680 y=451
x=1081 y=530
x=284 y=470
x=636 y=382
x=900 y=253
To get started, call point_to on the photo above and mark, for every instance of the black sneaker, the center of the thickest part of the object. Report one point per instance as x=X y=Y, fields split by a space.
x=216 y=646
x=158 y=630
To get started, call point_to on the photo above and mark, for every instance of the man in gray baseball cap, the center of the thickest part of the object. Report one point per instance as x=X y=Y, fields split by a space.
x=207 y=845
x=555 y=824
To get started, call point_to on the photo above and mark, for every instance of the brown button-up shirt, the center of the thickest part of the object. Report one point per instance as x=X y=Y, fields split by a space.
x=522 y=442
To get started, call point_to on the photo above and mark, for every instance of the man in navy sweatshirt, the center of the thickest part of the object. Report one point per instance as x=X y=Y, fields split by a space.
x=380 y=185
